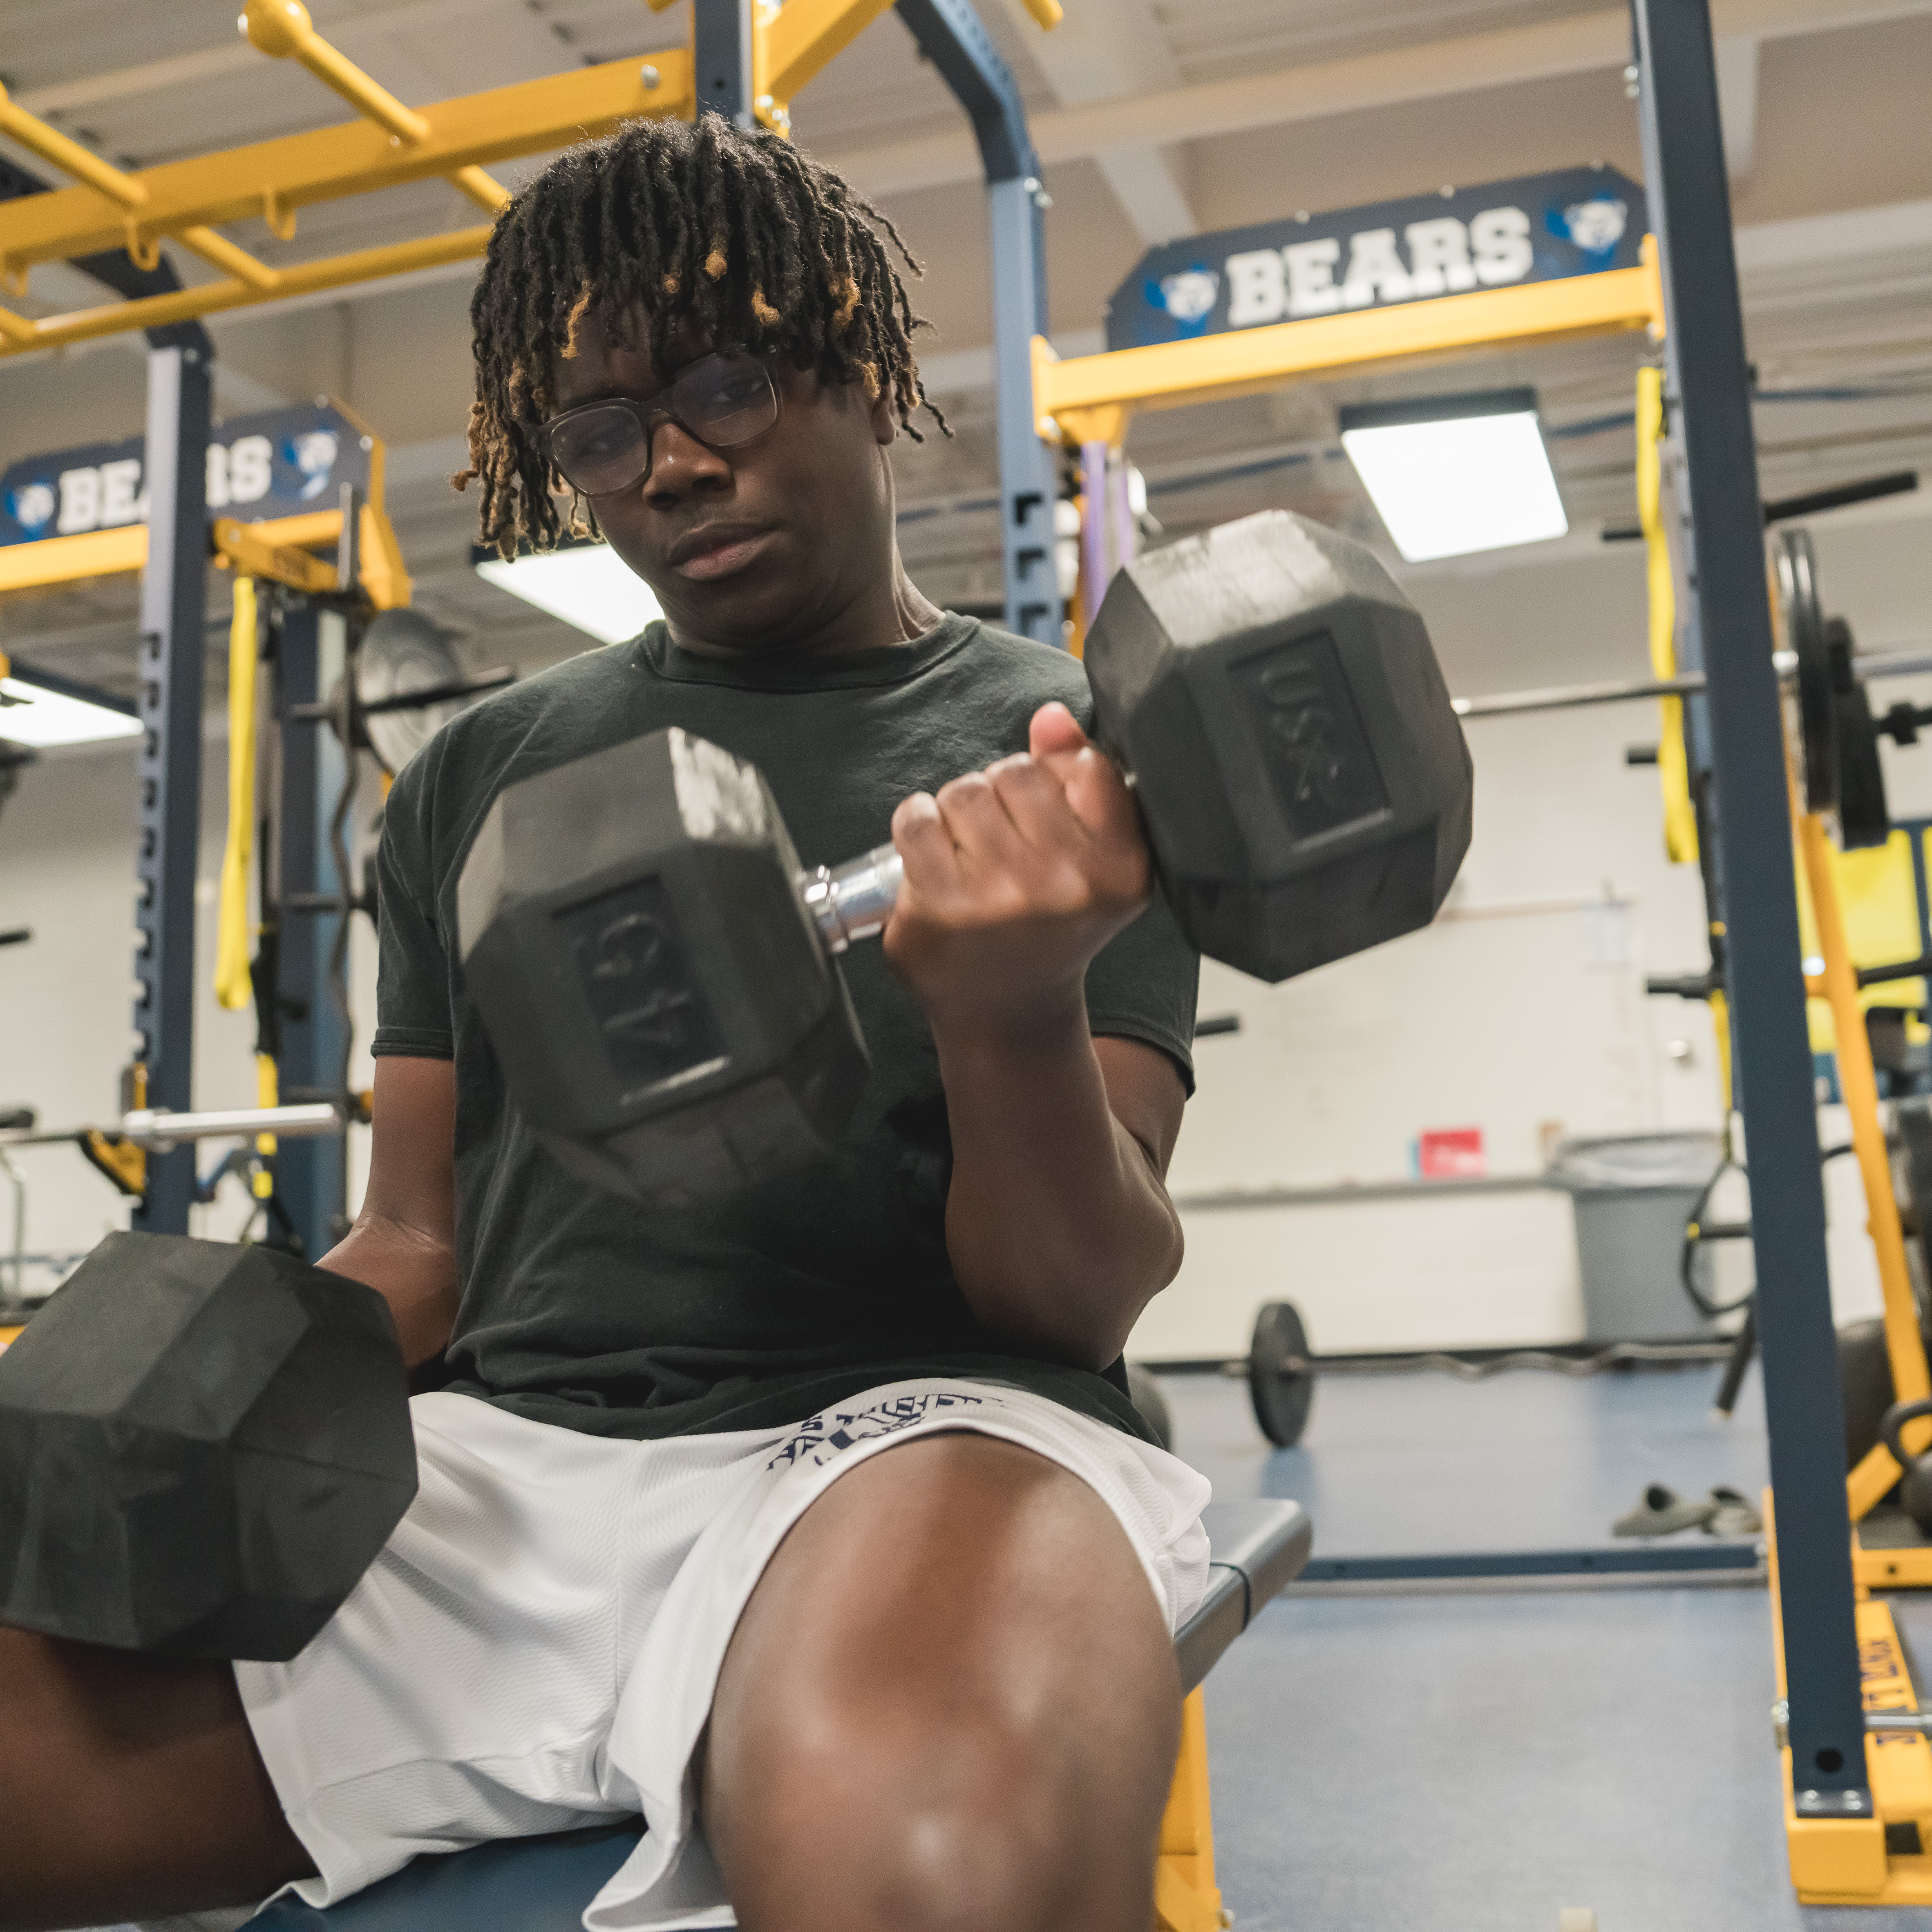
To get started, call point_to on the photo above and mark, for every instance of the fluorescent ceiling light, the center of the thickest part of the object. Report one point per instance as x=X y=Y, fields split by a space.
x=34 y=714
x=1453 y=474
x=588 y=585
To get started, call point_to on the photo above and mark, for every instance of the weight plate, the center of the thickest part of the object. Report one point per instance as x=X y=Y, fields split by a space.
x=1864 y=1386
x=1281 y=1373
x=1865 y=818
x=402 y=651
x=1804 y=636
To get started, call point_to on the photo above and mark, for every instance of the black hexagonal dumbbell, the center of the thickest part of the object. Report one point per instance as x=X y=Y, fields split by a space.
x=1300 y=768
x=655 y=968
x=202 y=1447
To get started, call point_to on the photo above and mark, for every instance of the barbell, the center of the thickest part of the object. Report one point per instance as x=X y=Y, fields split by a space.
x=158 y=1130
x=1825 y=675
x=1278 y=1369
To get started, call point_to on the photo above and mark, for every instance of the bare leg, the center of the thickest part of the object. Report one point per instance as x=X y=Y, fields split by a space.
x=951 y=1706
x=131 y=1786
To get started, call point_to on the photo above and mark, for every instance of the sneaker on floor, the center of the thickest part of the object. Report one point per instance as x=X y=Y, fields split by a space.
x=1732 y=1514
x=1663 y=1512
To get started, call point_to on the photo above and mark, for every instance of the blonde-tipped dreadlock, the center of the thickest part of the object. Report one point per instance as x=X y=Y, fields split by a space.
x=730 y=231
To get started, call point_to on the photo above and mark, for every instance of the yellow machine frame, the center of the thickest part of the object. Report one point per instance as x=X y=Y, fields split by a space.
x=1905 y=1347
x=391 y=144
x=1090 y=398
x=1843 y=1861
x=278 y=548
x=1186 y=1898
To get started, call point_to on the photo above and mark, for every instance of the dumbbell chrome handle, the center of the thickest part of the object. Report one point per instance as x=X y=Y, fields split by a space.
x=853 y=901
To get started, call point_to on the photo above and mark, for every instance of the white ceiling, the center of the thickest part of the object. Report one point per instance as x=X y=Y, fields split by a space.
x=1154 y=117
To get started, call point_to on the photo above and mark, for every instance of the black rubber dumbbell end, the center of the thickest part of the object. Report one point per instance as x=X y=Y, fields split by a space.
x=202 y=1447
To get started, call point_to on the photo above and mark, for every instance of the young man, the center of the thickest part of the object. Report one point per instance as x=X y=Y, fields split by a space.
x=813 y=1523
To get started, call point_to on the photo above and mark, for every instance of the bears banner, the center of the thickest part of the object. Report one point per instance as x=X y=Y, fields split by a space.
x=281 y=463
x=1580 y=221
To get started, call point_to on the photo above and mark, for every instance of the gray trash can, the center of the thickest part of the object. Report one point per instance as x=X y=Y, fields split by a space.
x=1632 y=1194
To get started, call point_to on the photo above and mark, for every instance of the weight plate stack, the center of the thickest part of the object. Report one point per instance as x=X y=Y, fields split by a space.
x=1281 y=1373
x=1864 y=816
x=402 y=651
x=1805 y=636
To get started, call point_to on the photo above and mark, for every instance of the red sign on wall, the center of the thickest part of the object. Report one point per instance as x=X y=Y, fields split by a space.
x=1450 y=1153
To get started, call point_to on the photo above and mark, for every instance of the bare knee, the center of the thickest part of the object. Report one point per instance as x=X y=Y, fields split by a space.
x=873 y=1816
x=950 y=1706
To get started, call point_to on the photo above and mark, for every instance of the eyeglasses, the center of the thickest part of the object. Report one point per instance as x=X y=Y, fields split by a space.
x=724 y=399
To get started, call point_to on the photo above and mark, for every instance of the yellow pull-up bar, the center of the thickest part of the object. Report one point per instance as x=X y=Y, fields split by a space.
x=388 y=144
x=282 y=29
x=84 y=165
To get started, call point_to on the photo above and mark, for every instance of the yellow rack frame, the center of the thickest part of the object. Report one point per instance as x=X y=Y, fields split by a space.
x=391 y=144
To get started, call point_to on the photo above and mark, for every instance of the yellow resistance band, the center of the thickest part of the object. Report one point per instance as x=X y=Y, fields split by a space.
x=1680 y=820
x=233 y=986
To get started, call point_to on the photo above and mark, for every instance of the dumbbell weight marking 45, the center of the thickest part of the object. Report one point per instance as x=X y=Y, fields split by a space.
x=655 y=967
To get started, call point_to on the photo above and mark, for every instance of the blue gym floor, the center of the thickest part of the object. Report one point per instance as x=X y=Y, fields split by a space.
x=1526 y=1459
x=1460 y=1761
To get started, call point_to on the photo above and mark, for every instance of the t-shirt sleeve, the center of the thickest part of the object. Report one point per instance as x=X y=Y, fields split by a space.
x=1143 y=985
x=413 y=1012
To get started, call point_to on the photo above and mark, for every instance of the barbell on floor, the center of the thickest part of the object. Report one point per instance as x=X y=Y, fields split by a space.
x=1280 y=1373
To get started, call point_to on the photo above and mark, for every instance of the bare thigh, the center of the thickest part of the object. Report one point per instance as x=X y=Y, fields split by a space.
x=130 y=1787
x=951 y=1702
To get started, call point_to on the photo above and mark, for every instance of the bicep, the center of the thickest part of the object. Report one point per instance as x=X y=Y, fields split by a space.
x=1145 y=1094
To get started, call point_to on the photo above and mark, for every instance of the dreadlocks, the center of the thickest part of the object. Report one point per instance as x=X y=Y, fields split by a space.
x=730 y=231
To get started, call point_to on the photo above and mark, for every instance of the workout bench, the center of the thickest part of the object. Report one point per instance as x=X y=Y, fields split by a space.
x=543 y=1885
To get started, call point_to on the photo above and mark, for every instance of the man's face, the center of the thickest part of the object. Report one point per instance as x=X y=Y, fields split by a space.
x=753 y=548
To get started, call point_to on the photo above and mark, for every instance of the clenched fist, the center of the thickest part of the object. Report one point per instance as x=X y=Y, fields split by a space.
x=1016 y=877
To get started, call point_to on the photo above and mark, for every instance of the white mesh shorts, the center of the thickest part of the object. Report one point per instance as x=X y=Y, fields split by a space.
x=536 y=1647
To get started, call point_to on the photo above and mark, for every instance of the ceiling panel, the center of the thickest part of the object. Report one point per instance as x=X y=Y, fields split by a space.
x=1212 y=39
x=1843 y=121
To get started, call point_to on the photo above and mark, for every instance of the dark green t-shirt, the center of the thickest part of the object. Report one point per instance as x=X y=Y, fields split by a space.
x=580 y=1308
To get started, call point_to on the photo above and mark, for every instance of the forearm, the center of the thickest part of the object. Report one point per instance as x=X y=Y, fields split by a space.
x=1058 y=1226
x=412 y=1270
x=403 y=1243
